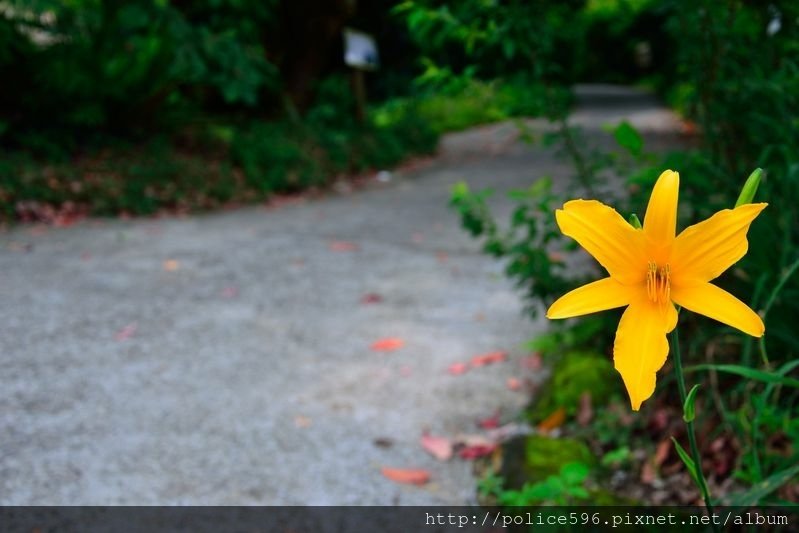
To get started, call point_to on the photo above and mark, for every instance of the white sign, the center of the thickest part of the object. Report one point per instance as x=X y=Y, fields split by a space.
x=360 y=50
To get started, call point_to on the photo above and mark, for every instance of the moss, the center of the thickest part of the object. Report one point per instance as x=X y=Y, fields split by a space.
x=574 y=374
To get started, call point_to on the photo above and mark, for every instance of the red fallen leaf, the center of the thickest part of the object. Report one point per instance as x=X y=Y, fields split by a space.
x=405 y=371
x=85 y=256
x=442 y=257
x=126 y=332
x=229 y=292
x=417 y=237
x=371 y=298
x=409 y=476
x=492 y=422
x=456 y=369
x=531 y=362
x=438 y=447
x=489 y=358
x=553 y=421
x=342 y=246
x=514 y=383
x=389 y=344
x=476 y=451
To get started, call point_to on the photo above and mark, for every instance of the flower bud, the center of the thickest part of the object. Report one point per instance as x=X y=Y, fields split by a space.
x=749 y=188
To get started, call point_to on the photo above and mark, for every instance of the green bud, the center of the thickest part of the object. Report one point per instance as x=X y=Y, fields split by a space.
x=749 y=188
x=689 y=412
x=634 y=222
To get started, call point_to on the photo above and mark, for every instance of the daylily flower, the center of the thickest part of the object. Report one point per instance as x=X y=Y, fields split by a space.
x=651 y=270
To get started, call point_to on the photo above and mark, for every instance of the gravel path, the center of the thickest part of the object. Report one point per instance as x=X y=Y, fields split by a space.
x=225 y=359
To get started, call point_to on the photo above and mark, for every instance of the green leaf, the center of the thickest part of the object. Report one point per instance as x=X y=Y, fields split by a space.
x=762 y=489
x=628 y=138
x=751 y=373
x=574 y=473
x=688 y=408
x=634 y=222
x=686 y=459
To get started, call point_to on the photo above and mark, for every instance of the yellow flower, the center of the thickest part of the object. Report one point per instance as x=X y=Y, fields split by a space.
x=651 y=270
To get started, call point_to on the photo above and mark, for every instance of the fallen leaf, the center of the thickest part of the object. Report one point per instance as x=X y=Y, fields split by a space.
x=514 y=383
x=479 y=317
x=553 y=421
x=585 y=411
x=383 y=442
x=473 y=440
x=648 y=473
x=492 y=422
x=371 y=298
x=662 y=452
x=489 y=358
x=438 y=447
x=302 y=421
x=409 y=476
x=417 y=237
x=442 y=257
x=342 y=246
x=531 y=362
x=476 y=451
x=229 y=292
x=389 y=344
x=405 y=371
x=85 y=256
x=456 y=369
x=126 y=332
x=171 y=265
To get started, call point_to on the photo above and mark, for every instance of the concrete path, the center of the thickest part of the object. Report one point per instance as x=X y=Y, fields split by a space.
x=225 y=359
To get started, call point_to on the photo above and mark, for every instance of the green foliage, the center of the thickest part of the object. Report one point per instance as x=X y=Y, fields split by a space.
x=79 y=70
x=225 y=163
x=542 y=275
x=573 y=375
x=565 y=488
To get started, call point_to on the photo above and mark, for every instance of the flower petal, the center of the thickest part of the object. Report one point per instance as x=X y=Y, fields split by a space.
x=705 y=250
x=607 y=236
x=660 y=221
x=709 y=300
x=641 y=348
x=597 y=296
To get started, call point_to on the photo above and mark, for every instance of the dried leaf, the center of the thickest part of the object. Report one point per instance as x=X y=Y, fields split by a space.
x=342 y=246
x=514 y=383
x=126 y=332
x=229 y=292
x=471 y=439
x=531 y=362
x=476 y=451
x=661 y=452
x=388 y=344
x=371 y=298
x=492 y=422
x=438 y=447
x=171 y=265
x=553 y=421
x=302 y=421
x=489 y=358
x=585 y=411
x=383 y=442
x=456 y=369
x=409 y=476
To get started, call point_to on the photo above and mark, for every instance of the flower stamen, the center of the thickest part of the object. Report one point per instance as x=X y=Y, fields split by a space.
x=658 y=286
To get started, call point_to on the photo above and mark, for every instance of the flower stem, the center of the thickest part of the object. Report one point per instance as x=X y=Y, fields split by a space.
x=700 y=477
